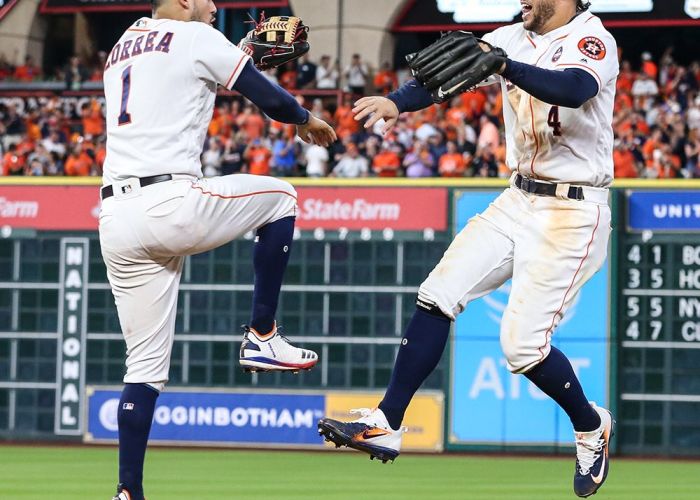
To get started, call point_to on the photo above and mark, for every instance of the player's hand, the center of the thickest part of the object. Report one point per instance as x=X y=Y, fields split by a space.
x=316 y=131
x=380 y=108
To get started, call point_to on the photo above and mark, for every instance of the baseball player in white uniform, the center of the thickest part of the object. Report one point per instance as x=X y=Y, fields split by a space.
x=548 y=231
x=160 y=83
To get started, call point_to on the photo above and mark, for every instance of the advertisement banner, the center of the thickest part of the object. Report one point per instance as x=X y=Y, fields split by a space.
x=407 y=209
x=260 y=418
x=63 y=208
x=489 y=405
x=212 y=417
x=663 y=211
x=71 y=208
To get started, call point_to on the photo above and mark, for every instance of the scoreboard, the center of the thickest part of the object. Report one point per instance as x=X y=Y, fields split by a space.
x=658 y=322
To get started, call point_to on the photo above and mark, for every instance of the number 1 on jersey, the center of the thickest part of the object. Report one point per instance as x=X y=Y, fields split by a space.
x=553 y=121
x=124 y=116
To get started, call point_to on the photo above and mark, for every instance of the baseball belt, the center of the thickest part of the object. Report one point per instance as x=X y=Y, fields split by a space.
x=108 y=191
x=533 y=186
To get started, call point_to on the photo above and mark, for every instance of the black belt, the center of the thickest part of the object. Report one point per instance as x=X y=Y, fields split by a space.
x=545 y=188
x=108 y=191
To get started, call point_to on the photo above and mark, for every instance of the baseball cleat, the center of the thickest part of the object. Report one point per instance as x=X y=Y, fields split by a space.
x=123 y=494
x=592 y=461
x=371 y=433
x=273 y=352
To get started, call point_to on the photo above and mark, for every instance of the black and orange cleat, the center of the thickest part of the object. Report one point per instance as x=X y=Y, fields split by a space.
x=592 y=459
x=371 y=433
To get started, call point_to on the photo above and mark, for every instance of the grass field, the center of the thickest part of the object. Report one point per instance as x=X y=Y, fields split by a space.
x=89 y=473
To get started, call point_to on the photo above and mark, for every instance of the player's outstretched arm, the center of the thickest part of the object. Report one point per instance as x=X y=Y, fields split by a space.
x=281 y=106
x=570 y=88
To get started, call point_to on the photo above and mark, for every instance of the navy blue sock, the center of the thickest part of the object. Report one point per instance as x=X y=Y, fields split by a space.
x=270 y=257
x=420 y=352
x=556 y=378
x=134 y=416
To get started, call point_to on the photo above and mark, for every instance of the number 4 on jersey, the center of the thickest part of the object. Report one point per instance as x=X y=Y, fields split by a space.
x=553 y=121
x=124 y=116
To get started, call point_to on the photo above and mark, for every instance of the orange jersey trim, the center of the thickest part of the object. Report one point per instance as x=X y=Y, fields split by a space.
x=235 y=70
x=227 y=197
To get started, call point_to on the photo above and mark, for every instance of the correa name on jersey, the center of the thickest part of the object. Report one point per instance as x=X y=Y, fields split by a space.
x=140 y=45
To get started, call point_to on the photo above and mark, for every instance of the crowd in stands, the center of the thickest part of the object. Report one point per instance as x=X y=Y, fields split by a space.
x=656 y=123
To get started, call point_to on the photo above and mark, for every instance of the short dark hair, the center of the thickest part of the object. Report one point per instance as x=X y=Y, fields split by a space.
x=155 y=4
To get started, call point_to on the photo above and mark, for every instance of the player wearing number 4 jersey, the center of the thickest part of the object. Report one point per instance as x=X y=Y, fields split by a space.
x=548 y=231
x=160 y=85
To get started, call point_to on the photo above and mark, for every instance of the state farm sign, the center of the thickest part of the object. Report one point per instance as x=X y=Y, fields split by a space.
x=407 y=209
x=62 y=208
x=76 y=208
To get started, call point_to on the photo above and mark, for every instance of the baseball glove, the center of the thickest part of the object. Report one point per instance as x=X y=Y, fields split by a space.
x=454 y=64
x=275 y=41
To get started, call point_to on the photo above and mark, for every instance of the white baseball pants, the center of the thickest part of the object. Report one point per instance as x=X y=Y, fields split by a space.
x=549 y=246
x=145 y=232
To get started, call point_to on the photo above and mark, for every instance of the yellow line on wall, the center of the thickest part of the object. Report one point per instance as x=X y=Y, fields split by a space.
x=466 y=182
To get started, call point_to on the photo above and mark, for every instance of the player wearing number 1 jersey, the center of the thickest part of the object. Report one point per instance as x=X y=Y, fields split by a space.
x=548 y=231
x=160 y=85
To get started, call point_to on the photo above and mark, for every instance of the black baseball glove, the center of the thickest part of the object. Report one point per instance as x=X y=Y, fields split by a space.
x=454 y=64
x=275 y=41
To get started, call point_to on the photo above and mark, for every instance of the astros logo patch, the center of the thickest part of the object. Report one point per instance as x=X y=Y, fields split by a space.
x=592 y=47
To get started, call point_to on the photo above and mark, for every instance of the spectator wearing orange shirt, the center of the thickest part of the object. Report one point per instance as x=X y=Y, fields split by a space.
x=456 y=113
x=473 y=103
x=665 y=164
x=386 y=162
x=652 y=144
x=251 y=122
x=626 y=78
x=258 y=158
x=649 y=67
x=28 y=71
x=345 y=120
x=624 y=161
x=78 y=163
x=451 y=164
x=93 y=121
x=12 y=163
x=385 y=80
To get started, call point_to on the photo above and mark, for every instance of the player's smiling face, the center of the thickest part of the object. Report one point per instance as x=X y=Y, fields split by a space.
x=203 y=11
x=536 y=14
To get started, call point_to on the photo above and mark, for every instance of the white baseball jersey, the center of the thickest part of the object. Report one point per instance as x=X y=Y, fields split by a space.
x=143 y=118
x=555 y=143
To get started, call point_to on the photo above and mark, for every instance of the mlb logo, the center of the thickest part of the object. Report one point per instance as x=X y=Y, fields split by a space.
x=126 y=189
x=128 y=406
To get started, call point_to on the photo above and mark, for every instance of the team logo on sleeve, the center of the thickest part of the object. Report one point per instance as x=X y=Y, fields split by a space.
x=592 y=47
x=557 y=54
